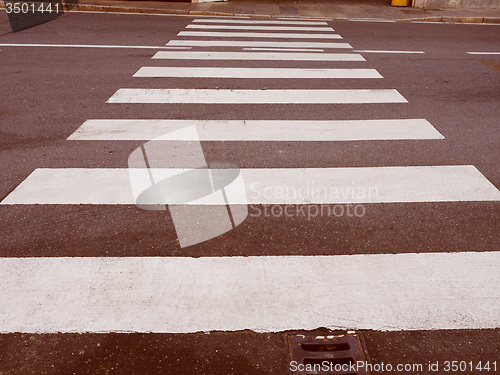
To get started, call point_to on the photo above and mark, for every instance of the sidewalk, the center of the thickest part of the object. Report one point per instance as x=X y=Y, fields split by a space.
x=329 y=9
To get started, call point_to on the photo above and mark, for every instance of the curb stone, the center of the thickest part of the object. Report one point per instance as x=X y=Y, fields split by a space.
x=114 y=9
x=491 y=20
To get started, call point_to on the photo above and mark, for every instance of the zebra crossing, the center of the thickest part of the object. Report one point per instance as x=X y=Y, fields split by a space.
x=181 y=294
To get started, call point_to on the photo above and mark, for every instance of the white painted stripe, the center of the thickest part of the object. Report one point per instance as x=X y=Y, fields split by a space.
x=269 y=73
x=370 y=20
x=432 y=22
x=483 y=53
x=208 y=55
x=258 y=22
x=272 y=185
x=87 y=46
x=257 y=130
x=211 y=96
x=285 y=49
x=382 y=51
x=387 y=292
x=170 y=15
x=302 y=18
x=257 y=27
x=244 y=43
x=223 y=17
x=222 y=34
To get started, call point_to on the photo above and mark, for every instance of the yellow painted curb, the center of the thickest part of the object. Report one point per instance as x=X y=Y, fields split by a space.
x=401 y=3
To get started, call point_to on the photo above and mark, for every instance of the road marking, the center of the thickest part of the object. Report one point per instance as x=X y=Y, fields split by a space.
x=214 y=96
x=87 y=46
x=222 y=34
x=208 y=55
x=387 y=292
x=257 y=27
x=285 y=49
x=257 y=22
x=483 y=53
x=271 y=185
x=268 y=73
x=257 y=130
x=431 y=22
x=381 y=51
x=140 y=14
x=370 y=20
x=244 y=43
x=309 y=18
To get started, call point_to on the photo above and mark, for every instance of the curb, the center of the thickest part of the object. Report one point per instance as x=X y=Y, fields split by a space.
x=157 y=11
x=112 y=9
x=488 y=20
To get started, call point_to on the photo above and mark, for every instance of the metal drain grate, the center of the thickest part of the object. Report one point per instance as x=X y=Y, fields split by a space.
x=320 y=354
x=495 y=65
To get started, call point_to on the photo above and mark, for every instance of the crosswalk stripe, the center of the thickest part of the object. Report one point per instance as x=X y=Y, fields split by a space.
x=282 y=56
x=222 y=34
x=257 y=27
x=270 y=73
x=256 y=22
x=244 y=43
x=214 y=96
x=358 y=185
x=285 y=49
x=257 y=130
x=181 y=294
x=386 y=51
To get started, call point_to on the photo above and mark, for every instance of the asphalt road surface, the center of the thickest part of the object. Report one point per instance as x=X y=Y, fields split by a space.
x=362 y=193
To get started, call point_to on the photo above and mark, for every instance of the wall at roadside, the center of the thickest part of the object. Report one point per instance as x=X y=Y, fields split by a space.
x=493 y=4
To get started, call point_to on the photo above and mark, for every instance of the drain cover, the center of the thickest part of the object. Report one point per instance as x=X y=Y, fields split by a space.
x=323 y=354
x=495 y=65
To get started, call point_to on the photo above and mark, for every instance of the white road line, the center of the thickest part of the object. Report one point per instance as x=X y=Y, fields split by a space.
x=387 y=292
x=371 y=20
x=282 y=56
x=431 y=22
x=381 y=51
x=483 y=53
x=223 y=34
x=139 y=14
x=308 y=18
x=257 y=27
x=258 y=22
x=214 y=96
x=272 y=185
x=285 y=49
x=268 y=73
x=87 y=46
x=257 y=130
x=223 y=17
x=245 y=43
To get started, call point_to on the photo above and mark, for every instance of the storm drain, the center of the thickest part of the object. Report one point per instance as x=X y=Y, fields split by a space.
x=495 y=65
x=321 y=354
